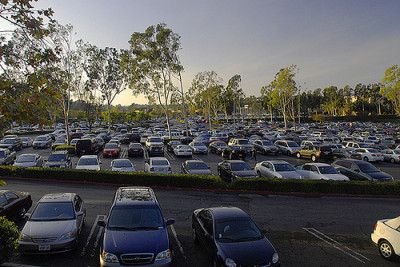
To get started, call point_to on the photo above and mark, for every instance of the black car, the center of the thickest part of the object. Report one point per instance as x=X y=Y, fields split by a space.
x=231 y=238
x=360 y=170
x=234 y=152
x=155 y=150
x=14 y=205
x=135 y=150
x=217 y=147
x=172 y=144
x=13 y=143
x=130 y=138
x=229 y=170
x=58 y=159
x=7 y=157
x=87 y=147
x=265 y=147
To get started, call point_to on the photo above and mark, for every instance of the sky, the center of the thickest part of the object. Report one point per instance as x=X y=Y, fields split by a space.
x=333 y=42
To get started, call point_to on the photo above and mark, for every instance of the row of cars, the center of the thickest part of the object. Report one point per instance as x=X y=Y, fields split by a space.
x=135 y=231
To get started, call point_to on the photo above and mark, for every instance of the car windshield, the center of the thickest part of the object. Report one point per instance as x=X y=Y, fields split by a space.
x=135 y=218
x=284 y=167
x=53 y=211
x=197 y=166
x=397 y=152
x=61 y=140
x=327 y=170
x=266 y=143
x=221 y=144
x=8 y=141
x=367 y=167
x=2 y=154
x=240 y=166
x=160 y=162
x=292 y=144
x=25 y=158
x=363 y=145
x=371 y=150
x=40 y=138
x=136 y=146
x=57 y=157
x=155 y=140
x=122 y=163
x=243 y=142
x=111 y=145
x=87 y=161
x=197 y=144
x=237 y=230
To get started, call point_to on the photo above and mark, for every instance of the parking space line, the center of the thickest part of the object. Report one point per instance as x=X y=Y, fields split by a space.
x=169 y=156
x=178 y=242
x=91 y=233
x=353 y=254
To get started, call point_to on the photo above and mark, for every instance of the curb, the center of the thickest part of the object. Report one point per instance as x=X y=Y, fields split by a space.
x=212 y=190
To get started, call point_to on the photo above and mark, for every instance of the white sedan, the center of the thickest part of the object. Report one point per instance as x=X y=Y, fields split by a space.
x=386 y=236
x=183 y=150
x=88 y=162
x=157 y=165
x=277 y=169
x=122 y=165
x=321 y=171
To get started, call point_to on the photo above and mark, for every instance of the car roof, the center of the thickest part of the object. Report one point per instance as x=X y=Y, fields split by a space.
x=318 y=164
x=234 y=161
x=88 y=156
x=277 y=161
x=59 y=152
x=58 y=197
x=134 y=195
x=221 y=213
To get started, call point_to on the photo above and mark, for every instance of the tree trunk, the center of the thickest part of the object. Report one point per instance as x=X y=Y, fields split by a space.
x=270 y=109
x=284 y=116
x=109 y=115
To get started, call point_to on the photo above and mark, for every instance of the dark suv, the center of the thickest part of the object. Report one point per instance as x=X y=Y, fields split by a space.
x=59 y=159
x=135 y=230
x=87 y=147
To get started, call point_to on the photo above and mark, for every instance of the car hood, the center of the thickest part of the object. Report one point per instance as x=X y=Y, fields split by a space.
x=245 y=174
x=49 y=228
x=249 y=253
x=121 y=242
x=336 y=177
x=379 y=176
x=5 y=145
x=25 y=164
x=88 y=167
x=290 y=175
x=55 y=163
x=123 y=169
x=199 y=171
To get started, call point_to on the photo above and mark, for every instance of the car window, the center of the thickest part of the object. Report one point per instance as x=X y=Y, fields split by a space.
x=206 y=219
x=314 y=169
x=307 y=167
x=3 y=200
x=11 y=197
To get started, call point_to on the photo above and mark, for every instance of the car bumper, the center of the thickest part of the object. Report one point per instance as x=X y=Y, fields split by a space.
x=375 y=238
x=184 y=153
x=160 y=263
x=59 y=247
x=158 y=153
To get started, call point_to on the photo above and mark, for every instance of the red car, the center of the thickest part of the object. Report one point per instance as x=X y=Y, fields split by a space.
x=111 y=150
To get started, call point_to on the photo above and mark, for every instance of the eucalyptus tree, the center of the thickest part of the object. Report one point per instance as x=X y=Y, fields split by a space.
x=391 y=87
x=153 y=63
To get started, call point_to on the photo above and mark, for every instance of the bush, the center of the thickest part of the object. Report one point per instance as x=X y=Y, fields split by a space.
x=9 y=236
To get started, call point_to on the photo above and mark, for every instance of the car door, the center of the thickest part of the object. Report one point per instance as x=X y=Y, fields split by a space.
x=3 y=206
x=266 y=170
x=13 y=205
x=207 y=230
x=79 y=212
x=224 y=170
x=314 y=173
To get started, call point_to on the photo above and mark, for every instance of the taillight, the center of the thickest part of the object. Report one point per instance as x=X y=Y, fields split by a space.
x=375 y=226
x=374 y=155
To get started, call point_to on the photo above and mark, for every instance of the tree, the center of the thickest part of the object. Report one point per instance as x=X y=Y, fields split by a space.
x=153 y=63
x=391 y=87
x=266 y=95
x=232 y=96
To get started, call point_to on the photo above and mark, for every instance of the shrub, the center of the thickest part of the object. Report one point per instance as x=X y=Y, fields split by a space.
x=9 y=236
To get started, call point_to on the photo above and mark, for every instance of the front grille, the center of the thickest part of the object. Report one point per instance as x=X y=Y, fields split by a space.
x=44 y=240
x=137 y=259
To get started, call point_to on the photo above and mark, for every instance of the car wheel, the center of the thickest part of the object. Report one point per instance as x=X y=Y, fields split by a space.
x=386 y=250
x=365 y=159
x=259 y=173
x=288 y=153
x=22 y=212
x=195 y=237
x=215 y=262
x=313 y=158
x=391 y=160
x=298 y=155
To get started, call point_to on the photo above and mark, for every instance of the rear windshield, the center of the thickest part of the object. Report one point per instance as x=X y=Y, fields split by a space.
x=240 y=166
x=111 y=145
x=197 y=166
x=2 y=154
x=159 y=162
x=284 y=167
x=87 y=161
x=122 y=163
x=57 y=157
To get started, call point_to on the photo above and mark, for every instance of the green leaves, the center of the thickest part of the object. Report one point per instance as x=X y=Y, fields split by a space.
x=391 y=88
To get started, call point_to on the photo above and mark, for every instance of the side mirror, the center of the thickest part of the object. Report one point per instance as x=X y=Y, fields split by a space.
x=27 y=215
x=101 y=223
x=169 y=222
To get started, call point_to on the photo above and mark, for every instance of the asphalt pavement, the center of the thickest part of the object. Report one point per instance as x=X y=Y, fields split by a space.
x=306 y=231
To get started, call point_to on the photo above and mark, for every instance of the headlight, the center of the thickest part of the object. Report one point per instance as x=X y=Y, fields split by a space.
x=166 y=254
x=68 y=235
x=275 y=258
x=108 y=257
x=25 y=238
x=230 y=263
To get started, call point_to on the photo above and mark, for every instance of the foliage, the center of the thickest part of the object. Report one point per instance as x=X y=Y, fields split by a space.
x=391 y=88
x=9 y=236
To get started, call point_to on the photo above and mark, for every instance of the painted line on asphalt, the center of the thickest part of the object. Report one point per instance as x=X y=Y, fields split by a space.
x=11 y=264
x=178 y=242
x=83 y=252
x=169 y=156
x=336 y=245
x=96 y=242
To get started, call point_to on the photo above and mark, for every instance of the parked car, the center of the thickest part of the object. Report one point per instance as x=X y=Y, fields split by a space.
x=28 y=160
x=367 y=154
x=155 y=150
x=287 y=147
x=360 y=170
x=172 y=144
x=122 y=165
x=42 y=141
x=55 y=224
x=11 y=143
x=13 y=204
x=217 y=147
x=319 y=152
x=391 y=155
x=7 y=157
x=26 y=141
x=157 y=165
x=58 y=142
x=195 y=167
x=277 y=169
x=198 y=148
x=154 y=140
x=229 y=170
x=88 y=162
x=241 y=144
x=231 y=238
x=135 y=232
x=320 y=171
x=135 y=149
x=183 y=150
x=87 y=146
x=386 y=237
x=59 y=159
x=265 y=147
x=111 y=150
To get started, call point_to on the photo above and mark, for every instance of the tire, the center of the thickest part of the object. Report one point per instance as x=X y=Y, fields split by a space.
x=365 y=159
x=22 y=212
x=386 y=250
x=298 y=155
x=288 y=153
x=259 y=173
x=313 y=158
x=392 y=160
x=215 y=262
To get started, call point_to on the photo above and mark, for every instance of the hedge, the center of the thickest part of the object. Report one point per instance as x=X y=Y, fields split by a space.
x=206 y=182
x=9 y=235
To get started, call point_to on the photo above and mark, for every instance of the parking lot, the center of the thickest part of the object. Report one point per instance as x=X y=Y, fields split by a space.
x=305 y=231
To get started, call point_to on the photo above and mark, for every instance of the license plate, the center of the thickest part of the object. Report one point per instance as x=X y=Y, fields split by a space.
x=44 y=247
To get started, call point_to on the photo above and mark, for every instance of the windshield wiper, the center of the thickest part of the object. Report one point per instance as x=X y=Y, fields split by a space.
x=146 y=228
